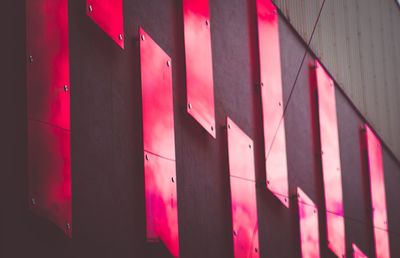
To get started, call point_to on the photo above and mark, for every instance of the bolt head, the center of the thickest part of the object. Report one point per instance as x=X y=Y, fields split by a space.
x=189 y=106
x=90 y=8
x=120 y=37
x=168 y=63
x=143 y=37
x=66 y=88
x=146 y=157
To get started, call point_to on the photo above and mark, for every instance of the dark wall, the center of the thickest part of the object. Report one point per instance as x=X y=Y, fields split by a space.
x=107 y=167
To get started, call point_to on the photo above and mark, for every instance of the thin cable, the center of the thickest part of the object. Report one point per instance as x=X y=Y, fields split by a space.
x=295 y=81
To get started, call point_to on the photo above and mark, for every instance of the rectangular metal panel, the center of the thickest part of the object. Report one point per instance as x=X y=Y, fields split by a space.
x=323 y=85
x=49 y=155
x=159 y=144
x=357 y=253
x=378 y=193
x=49 y=173
x=199 y=67
x=48 y=62
x=381 y=239
x=272 y=101
x=243 y=193
x=108 y=15
x=161 y=201
x=157 y=100
x=309 y=230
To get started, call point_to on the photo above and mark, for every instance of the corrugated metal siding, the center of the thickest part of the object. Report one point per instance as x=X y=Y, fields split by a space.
x=358 y=41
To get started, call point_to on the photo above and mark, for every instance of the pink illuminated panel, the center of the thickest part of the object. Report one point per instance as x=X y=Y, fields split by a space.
x=161 y=202
x=48 y=62
x=49 y=173
x=272 y=103
x=309 y=231
x=158 y=119
x=330 y=157
x=243 y=192
x=378 y=196
x=199 y=73
x=108 y=15
x=159 y=144
x=357 y=253
x=48 y=102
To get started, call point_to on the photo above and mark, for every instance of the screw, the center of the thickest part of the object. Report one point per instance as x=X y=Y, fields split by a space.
x=142 y=37
x=33 y=200
x=207 y=23
x=229 y=126
x=147 y=157
x=31 y=59
x=262 y=84
x=168 y=63
x=68 y=226
x=267 y=182
x=285 y=199
x=212 y=128
x=90 y=8
x=249 y=146
x=189 y=106
x=172 y=179
x=234 y=233
x=65 y=88
x=120 y=37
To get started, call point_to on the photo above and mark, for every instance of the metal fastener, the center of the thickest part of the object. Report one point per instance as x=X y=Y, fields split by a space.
x=147 y=157
x=168 y=63
x=90 y=8
x=68 y=226
x=33 y=201
x=120 y=37
x=31 y=59
x=229 y=126
x=190 y=106
x=172 y=179
x=207 y=23
x=256 y=250
x=249 y=146
x=142 y=37
x=212 y=128
x=66 y=88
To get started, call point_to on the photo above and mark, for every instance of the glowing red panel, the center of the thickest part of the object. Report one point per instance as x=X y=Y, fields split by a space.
x=309 y=231
x=378 y=196
x=272 y=103
x=108 y=15
x=159 y=144
x=243 y=193
x=49 y=172
x=199 y=73
x=48 y=62
x=157 y=100
x=357 y=253
x=330 y=156
x=161 y=202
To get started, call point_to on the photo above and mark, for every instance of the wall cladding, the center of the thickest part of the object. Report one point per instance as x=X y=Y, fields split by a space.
x=359 y=43
x=107 y=153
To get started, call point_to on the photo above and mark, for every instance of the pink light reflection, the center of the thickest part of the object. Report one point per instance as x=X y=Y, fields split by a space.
x=161 y=202
x=198 y=56
x=49 y=173
x=330 y=156
x=272 y=100
x=309 y=230
x=243 y=192
x=108 y=15
x=159 y=144
x=378 y=195
x=357 y=253
x=48 y=64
